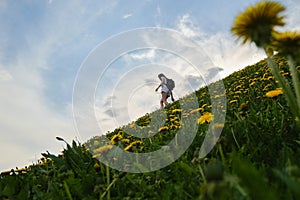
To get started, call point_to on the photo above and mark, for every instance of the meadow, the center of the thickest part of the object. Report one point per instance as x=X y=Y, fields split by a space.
x=256 y=156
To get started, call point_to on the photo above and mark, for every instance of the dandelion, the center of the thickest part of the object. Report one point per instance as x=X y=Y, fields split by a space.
x=197 y=110
x=125 y=140
x=103 y=149
x=257 y=23
x=114 y=138
x=96 y=165
x=217 y=127
x=251 y=84
x=243 y=105
x=287 y=43
x=205 y=118
x=132 y=144
x=232 y=101
x=164 y=128
x=274 y=93
x=128 y=147
x=176 y=111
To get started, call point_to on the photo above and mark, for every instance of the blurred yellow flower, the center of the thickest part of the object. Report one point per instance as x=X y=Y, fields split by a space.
x=128 y=147
x=164 y=128
x=197 y=110
x=243 y=105
x=176 y=111
x=217 y=127
x=115 y=138
x=96 y=165
x=205 y=118
x=125 y=140
x=256 y=24
x=102 y=149
x=274 y=93
x=132 y=144
x=287 y=43
x=232 y=101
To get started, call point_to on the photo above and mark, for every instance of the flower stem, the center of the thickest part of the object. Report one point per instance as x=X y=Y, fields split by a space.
x=287 y=91
x=296 y=82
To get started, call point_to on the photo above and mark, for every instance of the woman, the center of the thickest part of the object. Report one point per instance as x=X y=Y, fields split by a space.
x=165 y=92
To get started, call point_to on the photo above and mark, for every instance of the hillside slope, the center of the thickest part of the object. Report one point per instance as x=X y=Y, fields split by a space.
x=256 y=156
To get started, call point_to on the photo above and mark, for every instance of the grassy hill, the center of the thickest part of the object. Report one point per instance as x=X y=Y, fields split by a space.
x=256 y=156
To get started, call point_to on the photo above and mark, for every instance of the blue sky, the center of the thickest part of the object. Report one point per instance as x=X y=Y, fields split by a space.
x=44 y=43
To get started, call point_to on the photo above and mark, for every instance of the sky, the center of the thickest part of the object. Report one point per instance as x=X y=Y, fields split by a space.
x=46 y=44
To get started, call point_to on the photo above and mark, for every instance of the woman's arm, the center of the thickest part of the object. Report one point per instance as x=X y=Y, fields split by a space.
x=163 y=81
x=157 y=87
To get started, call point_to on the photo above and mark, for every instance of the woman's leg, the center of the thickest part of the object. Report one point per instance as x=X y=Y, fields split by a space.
x=164 y=98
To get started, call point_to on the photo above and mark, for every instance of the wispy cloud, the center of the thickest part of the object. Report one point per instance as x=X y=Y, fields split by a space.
x=5 y=75
x=186 y=25
x=127 y=16
x=28 y=123
x=222 y=48
x=143 y=55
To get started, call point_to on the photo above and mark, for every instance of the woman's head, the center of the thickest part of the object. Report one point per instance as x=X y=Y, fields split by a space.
x=161 y=75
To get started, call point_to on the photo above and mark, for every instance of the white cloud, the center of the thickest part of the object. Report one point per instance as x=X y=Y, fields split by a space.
x=222 y=48
x=187 y=27
x=143 y=55
x=28 y=123
x=127 y=16
x=5 y=75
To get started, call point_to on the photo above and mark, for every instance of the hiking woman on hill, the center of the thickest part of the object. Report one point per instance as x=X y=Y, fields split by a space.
x=165 y=92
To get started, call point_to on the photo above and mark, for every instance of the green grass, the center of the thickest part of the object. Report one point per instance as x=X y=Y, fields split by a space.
x=256 y=156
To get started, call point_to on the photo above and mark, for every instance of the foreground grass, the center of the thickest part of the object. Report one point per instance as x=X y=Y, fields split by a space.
x=256 y=157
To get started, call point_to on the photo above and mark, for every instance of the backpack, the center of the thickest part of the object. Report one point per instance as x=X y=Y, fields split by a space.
x=170 y=84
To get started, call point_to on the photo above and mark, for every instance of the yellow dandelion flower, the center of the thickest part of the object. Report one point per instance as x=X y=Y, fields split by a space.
x=243 y=105
x=197 y=110
x=251 y=84
x=128 y=147
x=114 y=138
x=174 y=119
x=96 y=143
x=274 y=93
x=205 y=118
x=136 y=142
x=258 y=21
x=96 y=165
x=287 y=43
x=125 y=140
x=185 y=115
x=103 y=149
x=232 y=101
x=238 y=87
x=217 y=127
x=164 y=128
x=176 y=111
